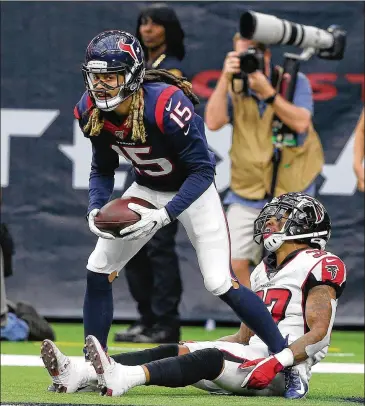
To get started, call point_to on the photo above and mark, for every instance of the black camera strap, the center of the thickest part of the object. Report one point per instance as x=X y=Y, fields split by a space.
x=281 y=134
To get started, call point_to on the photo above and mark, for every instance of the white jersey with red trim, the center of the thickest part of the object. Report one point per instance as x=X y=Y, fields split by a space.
x=284 y=289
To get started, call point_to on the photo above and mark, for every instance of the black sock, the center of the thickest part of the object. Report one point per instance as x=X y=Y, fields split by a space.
x=98 y=307
x=186 y=369
x=253 y=312
x=146 y=356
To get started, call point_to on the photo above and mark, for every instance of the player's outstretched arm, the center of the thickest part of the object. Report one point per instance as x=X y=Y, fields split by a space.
x=320 y=312
x=242 y=336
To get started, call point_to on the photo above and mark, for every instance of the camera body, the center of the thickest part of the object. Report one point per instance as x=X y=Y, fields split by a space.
x=251 y=61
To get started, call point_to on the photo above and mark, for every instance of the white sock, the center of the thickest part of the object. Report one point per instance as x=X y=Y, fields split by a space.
x=135 y=375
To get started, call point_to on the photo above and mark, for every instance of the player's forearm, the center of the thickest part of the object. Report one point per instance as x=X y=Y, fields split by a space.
x=242 y=336
x=193 y=187
x=216 y=110
x=320 y=312
x=100 y=189
x=296 y=118
x=234 y=338
x=300 y=347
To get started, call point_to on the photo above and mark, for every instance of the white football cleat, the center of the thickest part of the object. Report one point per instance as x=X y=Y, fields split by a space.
x=114 y=379
x=67 y=376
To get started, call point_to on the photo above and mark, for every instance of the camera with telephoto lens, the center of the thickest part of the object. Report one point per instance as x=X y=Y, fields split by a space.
x=251 y=61
x=270 y=30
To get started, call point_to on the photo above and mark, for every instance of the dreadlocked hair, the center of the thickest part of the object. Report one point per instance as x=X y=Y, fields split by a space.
x=136 y=111
x=163 y=75
x=95 y=123
x=134 y=120
x=135 y=117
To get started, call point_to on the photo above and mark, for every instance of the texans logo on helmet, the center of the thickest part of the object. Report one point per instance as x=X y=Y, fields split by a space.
x=128 y=48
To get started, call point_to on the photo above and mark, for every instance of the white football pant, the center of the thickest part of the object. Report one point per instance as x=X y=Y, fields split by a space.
x=205 y=223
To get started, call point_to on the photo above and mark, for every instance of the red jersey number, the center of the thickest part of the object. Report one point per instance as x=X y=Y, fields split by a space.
x=277 y=301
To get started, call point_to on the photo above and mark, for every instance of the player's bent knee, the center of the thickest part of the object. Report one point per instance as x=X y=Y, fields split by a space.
x=217 y=286
x=98 y=261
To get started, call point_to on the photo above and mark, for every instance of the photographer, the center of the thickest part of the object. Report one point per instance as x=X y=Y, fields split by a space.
x=251 y=110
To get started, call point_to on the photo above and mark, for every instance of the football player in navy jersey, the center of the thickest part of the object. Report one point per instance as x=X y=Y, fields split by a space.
x=149 y=119
x=153 y=274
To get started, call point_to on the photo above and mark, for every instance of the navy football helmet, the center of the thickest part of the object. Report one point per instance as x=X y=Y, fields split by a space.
x=307 y=222
x=114 y=52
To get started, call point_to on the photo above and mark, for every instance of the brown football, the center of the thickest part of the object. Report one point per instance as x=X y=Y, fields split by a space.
x=116 y=215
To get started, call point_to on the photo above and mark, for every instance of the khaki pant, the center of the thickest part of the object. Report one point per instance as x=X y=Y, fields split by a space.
x=240 y=220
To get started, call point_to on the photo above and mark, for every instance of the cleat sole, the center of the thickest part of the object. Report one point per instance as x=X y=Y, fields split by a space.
x=94 y=356
x=49 y=358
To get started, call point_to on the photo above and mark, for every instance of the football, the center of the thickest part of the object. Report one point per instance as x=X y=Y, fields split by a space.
x=115 y=215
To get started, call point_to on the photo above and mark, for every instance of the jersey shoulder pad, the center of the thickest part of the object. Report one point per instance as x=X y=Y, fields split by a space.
x=174 y=110
x=330 y=270
x=83 y=106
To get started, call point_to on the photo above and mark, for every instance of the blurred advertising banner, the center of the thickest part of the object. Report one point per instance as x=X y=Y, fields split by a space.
x=45 y=159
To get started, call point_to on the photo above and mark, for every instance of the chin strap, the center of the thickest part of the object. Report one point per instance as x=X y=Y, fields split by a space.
x=276 y=240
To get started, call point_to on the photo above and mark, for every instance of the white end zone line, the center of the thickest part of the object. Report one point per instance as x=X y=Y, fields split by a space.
x=324 y=367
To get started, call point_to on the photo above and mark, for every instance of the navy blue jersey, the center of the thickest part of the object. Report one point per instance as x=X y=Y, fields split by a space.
x=175 y=156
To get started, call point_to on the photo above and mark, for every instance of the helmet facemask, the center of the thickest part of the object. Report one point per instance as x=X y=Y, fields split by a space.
x=129 y=86
x=272 y=240
x=300 y=224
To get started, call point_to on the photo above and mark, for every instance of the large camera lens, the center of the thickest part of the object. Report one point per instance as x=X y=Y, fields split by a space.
x=269 y=29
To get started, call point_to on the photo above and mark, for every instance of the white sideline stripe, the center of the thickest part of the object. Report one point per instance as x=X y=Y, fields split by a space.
x=324 y=367
x=340 y=354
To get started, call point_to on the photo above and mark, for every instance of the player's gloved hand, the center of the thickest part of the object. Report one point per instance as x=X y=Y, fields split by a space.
x=90 y=218
x=265 y=369
x=151 y=221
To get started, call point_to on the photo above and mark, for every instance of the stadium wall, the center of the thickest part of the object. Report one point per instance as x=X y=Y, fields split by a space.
x=45 y=160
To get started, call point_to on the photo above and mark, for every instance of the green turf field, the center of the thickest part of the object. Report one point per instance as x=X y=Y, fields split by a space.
x=25 y=384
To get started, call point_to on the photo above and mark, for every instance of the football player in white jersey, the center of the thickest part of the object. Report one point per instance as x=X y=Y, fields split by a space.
x=298 y=281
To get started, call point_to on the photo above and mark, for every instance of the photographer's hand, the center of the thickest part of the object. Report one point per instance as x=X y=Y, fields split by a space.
x=259 y=83
x=231 y=65
x=296 y=118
